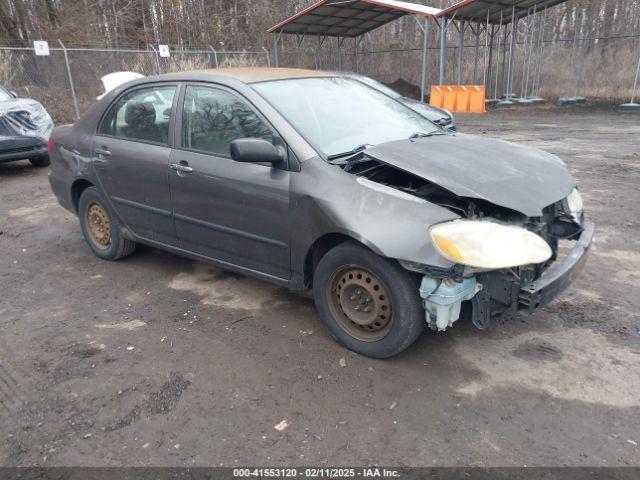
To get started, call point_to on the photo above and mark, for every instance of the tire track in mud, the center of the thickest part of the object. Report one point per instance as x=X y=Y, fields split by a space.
x=10 y=398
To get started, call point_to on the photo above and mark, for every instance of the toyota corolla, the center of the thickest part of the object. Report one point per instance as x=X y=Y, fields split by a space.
x=318 y=182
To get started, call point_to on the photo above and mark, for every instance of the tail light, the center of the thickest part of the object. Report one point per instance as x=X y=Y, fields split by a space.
x=50 y=146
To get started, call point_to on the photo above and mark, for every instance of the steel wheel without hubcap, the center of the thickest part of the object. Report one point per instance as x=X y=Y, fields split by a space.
x=360 y=304
x=99 y=226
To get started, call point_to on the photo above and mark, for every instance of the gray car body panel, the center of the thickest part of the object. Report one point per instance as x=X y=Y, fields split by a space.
x=435 y=114
x=322 y=198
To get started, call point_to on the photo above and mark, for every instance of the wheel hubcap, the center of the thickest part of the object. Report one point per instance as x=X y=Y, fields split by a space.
x=99 y=225
x=359 y=301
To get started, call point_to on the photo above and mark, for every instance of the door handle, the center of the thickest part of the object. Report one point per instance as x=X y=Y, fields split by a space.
x=102 y=151
x=181 y=168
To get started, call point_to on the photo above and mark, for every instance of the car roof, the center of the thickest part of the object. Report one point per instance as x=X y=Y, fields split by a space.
x=257 y=74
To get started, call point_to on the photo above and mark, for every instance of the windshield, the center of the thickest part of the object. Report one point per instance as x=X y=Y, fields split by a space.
x=381 y=87
x=5 y=95
x=339 y=115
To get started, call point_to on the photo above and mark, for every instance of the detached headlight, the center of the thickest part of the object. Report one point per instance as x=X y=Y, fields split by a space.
x=483 y=244
x=574 y=201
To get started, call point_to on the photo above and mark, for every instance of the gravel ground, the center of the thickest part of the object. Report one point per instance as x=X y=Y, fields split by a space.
x=159 y=360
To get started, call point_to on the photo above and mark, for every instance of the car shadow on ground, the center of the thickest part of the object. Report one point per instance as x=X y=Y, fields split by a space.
x=16 y=168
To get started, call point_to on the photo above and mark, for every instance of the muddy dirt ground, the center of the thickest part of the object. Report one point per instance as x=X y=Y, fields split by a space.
x=158 y=360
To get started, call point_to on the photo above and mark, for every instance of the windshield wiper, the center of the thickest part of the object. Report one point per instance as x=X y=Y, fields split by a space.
x=422 y=135
x=357 y=149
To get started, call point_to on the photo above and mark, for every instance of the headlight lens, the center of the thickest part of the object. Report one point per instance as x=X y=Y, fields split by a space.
x=489 y=245
x=574 y=200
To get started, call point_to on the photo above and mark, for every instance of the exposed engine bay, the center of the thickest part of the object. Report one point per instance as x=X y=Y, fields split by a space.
x=481 y=294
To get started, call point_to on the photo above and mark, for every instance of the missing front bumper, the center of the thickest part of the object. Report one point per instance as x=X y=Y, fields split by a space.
x=557 y=278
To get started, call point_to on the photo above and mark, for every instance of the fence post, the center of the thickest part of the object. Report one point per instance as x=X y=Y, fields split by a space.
x=215 y=56
x=71 y=85
x=157 y=59
x=268 y=57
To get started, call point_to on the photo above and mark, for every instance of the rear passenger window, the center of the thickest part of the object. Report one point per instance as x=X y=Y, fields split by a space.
x=213 y=118
x=143 y=114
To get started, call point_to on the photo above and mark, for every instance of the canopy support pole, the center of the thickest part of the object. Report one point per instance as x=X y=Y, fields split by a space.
x=486 y=53
x=531 y=51
x=276 y=52
x=460 y=50
x=503 y=67
x=475 y=54
x=512 y=52
x=340 y=41
x=524 y=53
x=443 y=45
x=579 y=75
x=632 y=106
x=538 y=72
x=356 y=41
x=425 y=56
x=570 y=71
x=489 y=66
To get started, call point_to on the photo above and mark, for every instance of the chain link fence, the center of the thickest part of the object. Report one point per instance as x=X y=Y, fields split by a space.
x=601 y=68
x=68 y=80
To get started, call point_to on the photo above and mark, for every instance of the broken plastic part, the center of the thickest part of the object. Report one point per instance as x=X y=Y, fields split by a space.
x=442 y=299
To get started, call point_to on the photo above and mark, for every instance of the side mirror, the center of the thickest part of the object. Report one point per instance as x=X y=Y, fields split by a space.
x=15 y=95
x=256 y=150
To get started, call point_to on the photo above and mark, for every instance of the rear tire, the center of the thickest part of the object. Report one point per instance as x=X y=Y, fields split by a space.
x=101 y=228
x=369 y=303
x=40 y=161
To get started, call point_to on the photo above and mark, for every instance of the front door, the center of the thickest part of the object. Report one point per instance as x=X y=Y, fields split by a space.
x=237 y=213
x=131 y=158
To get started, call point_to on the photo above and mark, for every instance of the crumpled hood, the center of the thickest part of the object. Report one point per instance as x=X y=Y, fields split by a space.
x=514 y=176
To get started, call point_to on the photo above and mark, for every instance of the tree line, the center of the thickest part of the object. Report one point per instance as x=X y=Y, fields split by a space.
x=243 y=24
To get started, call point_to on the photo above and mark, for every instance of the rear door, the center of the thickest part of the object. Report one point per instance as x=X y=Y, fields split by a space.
x=131 y=158
x=237 y=213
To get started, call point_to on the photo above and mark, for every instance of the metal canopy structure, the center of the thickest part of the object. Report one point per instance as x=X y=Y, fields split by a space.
x=350 y=18
x=353 y=18
x=495 y=12
x=486 y=15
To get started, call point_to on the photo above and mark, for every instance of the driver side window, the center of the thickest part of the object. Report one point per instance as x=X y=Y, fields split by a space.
x=213 y=118
x=143 y=114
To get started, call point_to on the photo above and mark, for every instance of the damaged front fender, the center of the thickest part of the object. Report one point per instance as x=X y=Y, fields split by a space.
x=390 y=222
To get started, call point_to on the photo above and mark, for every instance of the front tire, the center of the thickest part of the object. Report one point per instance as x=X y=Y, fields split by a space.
x=369 y=303
x=101 y=228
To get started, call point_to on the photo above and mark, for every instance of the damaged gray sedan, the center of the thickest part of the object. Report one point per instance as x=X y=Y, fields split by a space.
x=313 y=181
